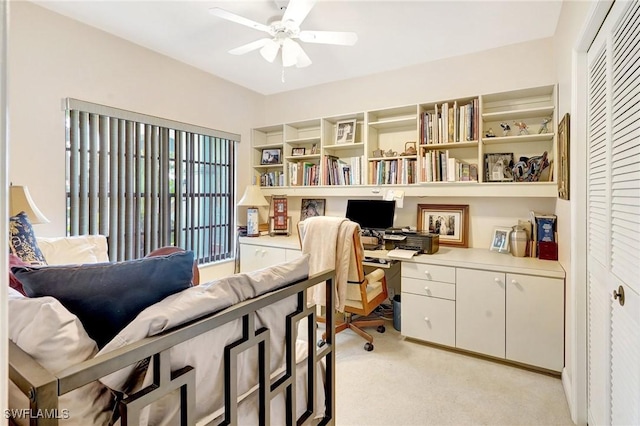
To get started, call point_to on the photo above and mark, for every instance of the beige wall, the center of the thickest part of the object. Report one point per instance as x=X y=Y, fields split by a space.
x=572 y=18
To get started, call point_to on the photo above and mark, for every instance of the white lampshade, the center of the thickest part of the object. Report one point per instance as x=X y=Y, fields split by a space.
x=20 y=201
x=253 y=197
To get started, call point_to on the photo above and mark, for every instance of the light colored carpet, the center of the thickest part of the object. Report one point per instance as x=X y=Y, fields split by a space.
x=403 y=382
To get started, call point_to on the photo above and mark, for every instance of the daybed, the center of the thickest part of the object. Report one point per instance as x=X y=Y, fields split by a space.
x=222 y=352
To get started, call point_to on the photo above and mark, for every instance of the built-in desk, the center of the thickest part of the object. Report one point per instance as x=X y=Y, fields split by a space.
x=474 y=299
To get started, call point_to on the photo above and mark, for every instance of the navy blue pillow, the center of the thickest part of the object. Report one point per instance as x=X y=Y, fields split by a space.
x=22 y=240
x=108 y=296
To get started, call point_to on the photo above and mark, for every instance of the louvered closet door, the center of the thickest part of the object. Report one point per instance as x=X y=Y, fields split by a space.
x=614 y=218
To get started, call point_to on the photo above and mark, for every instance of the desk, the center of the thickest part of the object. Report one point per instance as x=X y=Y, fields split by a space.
x=472 y=299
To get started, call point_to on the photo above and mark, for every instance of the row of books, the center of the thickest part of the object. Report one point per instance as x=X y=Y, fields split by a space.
x=400 y=171
x=275 y=178
x=543 y=235
x=438 y=166
x=342 y=171
x=303 y=173
x=450 y=122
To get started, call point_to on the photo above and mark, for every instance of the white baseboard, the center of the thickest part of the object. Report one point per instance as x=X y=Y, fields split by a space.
x=568 y=393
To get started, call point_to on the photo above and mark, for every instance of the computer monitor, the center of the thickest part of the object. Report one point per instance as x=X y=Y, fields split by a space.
x=371 y=214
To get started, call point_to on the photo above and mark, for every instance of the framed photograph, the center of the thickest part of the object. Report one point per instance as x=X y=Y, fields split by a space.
x=498 y=167
x=311 y=207
x=500 y=240
x=271 y=156
x=449 y=221
x=345 y=131
x=298 y=151
x=563 y=158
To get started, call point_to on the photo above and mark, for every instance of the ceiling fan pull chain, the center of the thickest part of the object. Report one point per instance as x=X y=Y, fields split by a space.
x=283 y=74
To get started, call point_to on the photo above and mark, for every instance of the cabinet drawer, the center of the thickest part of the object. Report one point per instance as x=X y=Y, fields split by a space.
x=445 y=274
x=429 y=319
x=429 y=288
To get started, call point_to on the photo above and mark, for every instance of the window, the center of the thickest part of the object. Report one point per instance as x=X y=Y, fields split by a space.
x=147 y=182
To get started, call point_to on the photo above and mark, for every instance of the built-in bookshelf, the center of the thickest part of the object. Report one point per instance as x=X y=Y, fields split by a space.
x=454 y=147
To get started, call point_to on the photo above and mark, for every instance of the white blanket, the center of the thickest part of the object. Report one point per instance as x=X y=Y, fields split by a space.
x=328 y=241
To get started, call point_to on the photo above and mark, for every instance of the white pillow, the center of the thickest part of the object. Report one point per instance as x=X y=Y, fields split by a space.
x=74 y=250
x=55 y=338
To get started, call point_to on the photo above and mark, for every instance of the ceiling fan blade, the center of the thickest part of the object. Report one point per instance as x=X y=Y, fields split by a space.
x=297 y=10
x=270 y=50
x=221 y=13
x=329 y=37
x=249 y=47
x=293 y=54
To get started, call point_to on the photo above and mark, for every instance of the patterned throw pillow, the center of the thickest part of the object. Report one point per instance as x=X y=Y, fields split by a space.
x=22 y=240
x=13 y=281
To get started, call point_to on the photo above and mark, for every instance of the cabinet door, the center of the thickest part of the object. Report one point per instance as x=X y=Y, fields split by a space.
x=253 y=257
x=480 y=311
x=535 y=321
x=429 y=319
x=292 y=254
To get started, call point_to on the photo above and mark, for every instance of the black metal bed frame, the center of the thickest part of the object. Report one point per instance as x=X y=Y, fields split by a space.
x=43 y=388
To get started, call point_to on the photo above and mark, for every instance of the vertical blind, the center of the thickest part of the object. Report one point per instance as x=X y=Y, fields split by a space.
x=147 y=182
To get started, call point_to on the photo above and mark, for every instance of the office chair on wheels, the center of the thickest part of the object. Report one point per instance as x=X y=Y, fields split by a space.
x=364 y=293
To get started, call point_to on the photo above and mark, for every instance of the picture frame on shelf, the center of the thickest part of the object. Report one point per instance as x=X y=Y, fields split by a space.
x=449 y=221
x=498 y=167
x=500 y=239
x=345 y=131
x=563 y=157
x=298 y=151
x=271 y=156
x=312 y=207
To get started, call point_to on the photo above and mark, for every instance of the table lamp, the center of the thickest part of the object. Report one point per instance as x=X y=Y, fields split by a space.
x=252 y=198
x=20 y=201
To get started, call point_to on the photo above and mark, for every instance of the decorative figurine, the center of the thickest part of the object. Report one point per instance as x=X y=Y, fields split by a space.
x=528 y=169
x=543 y=126
x=523 y=129
x=505 y=129
x=490 y=133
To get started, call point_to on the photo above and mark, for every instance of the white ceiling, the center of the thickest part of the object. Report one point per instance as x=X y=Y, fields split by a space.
x=392 y=34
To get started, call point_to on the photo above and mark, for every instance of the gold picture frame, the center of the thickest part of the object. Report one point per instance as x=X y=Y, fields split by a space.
x=449 y=221
x=563 y=158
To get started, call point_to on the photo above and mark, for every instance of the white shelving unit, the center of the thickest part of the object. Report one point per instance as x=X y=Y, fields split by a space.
x=383 y=135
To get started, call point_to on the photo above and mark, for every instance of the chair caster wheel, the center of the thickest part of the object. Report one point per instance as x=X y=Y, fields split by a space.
x=381 y=329
x=368 y=347
x=321 y=343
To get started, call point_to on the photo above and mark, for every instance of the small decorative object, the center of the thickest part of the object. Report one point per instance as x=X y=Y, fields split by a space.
x=543 y=126
x=345 y=131
x=449 y=221
x=498 y=167
x=311 y=207
x=528 y=169
x=390 y=153
x=378 y=153
x=563 y=158
x=490 y=133
x=500 y=240
x=411 y=149
x=523 y=129
x=505 y=129
x=518 y=241
x=280 y=223
x=298 y=151
x=314 y=148
x=271 y=156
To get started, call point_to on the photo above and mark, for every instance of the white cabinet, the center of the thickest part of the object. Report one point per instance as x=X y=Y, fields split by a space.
x=253 y=257
x=428 y=300
x=535 y=321
x=512 y=316
x=480 y=311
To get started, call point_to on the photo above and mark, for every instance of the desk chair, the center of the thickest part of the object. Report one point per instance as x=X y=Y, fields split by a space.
x=364 y=294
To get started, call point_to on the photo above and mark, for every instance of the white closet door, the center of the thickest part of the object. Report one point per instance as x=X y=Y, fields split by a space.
x=614 y=218
x=625 y=218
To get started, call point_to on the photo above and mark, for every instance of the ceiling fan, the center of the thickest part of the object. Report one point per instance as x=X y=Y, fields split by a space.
x=283 y=34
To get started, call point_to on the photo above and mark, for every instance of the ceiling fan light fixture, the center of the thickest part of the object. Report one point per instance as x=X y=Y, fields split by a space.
x=270 y=50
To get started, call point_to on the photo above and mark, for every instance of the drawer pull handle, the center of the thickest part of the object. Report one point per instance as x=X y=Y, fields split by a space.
x=426 y=319
x=426 y=289
x=497 y=280
x=514 y=282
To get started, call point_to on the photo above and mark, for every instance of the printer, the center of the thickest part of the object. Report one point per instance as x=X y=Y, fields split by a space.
x=422 y=241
